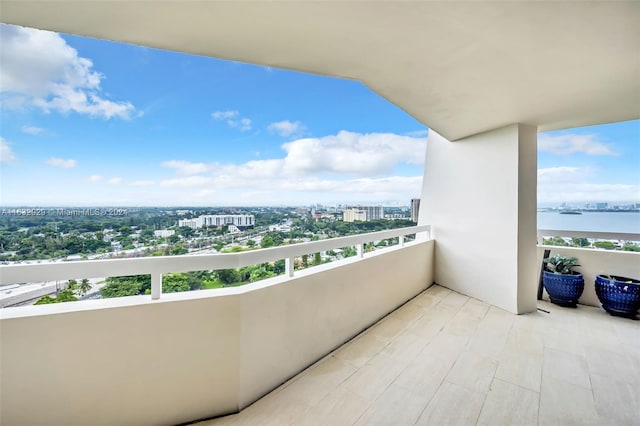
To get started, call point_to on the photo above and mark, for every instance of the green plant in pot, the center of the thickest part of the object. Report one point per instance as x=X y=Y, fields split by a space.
x=563 y=284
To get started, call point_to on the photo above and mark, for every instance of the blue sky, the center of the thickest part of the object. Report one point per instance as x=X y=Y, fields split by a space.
x=88 y=122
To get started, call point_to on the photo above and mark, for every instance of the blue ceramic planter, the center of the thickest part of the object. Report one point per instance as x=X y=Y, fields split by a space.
x=563 y=290
x=619 y=296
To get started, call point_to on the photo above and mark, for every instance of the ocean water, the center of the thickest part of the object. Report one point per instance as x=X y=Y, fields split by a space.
x=591 y=221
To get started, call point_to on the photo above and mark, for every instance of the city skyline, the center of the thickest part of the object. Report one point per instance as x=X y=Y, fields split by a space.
x=89 y=122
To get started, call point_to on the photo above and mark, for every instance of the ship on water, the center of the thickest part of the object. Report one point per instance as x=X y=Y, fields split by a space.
x=570 y=211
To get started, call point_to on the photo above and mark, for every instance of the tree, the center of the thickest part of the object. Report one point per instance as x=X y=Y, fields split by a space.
x=260 y=274
x=607 y=245
x=228 y=276
x=317 y=259
x=85 y=286
x=349 y=252
x=198 y=278
x=580 y=242
x=555 y=241
x=630 y=247
x=45 y=300
x=251 y=243
x=125 y=230
x=178 y=249
x=185 y=231
x=278 y=267
x=120 y=289
x=64 y=296
x=126 y=286
x=267 y=241
x=72 y=285
x=174 y=283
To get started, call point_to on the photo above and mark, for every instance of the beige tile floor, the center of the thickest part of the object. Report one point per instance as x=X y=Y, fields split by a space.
x=447 y=359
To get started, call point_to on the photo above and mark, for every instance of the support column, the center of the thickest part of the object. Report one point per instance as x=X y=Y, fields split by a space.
x=479 y=194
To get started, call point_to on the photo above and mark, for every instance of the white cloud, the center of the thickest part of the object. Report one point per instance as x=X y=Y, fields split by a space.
x=61 y=162
x=555 y=175
x=205 y=193
x=352 y=153
x=418 y=133
x=347 y=154
x=224 y=115
x=573 y=143
x=115 y=180
x=186 y=167
x=187 y=182
x=342 y=166
x=32 y=130
x=585 y=192
x=143 y=183
x=6 y=154
x=233 y=119
x=571 y=184
x=95 y=178
x=38 y=68
x=375 y=187
x=287 y=128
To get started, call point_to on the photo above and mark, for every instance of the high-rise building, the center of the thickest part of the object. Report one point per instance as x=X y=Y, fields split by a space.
x=353 y=214
x=374 y=212
x=415 y=209
x=369 y=212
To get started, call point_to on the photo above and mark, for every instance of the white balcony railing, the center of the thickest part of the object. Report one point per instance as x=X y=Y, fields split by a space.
x=594 y=261
x=156 y=266
x=622 y=236
x=195 y=354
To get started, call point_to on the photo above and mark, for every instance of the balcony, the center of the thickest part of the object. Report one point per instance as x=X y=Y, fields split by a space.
x=443 y=357
x=447 y=359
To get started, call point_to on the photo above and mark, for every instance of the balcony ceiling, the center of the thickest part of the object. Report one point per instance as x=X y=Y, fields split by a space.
x=460 y=68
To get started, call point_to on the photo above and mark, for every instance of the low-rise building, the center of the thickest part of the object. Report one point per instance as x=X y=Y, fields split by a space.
x=242 y=221
x=163 y=233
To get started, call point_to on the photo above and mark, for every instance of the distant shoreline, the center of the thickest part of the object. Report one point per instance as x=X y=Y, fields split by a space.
x=590 y=211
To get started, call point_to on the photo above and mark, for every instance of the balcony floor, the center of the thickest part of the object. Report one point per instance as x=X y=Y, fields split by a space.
x=444 y=358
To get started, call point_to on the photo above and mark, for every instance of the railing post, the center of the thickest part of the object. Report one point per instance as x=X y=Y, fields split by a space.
x=288 y=267
x=156 y=285
x=401 y=240
x=360 y=248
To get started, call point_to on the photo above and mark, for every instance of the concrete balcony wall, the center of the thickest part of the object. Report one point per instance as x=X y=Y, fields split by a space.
x=133 y=362
x=479 y=194
x=192 y=355
x=286 y=327
x=594 y=262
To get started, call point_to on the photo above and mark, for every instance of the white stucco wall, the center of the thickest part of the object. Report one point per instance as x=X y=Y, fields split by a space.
x=191 y=355
x=479 y=195
x=286 y=327
x=149 y=363
x=597 y=262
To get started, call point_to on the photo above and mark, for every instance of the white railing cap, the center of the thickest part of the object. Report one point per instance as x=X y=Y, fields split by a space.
x=625 y=236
